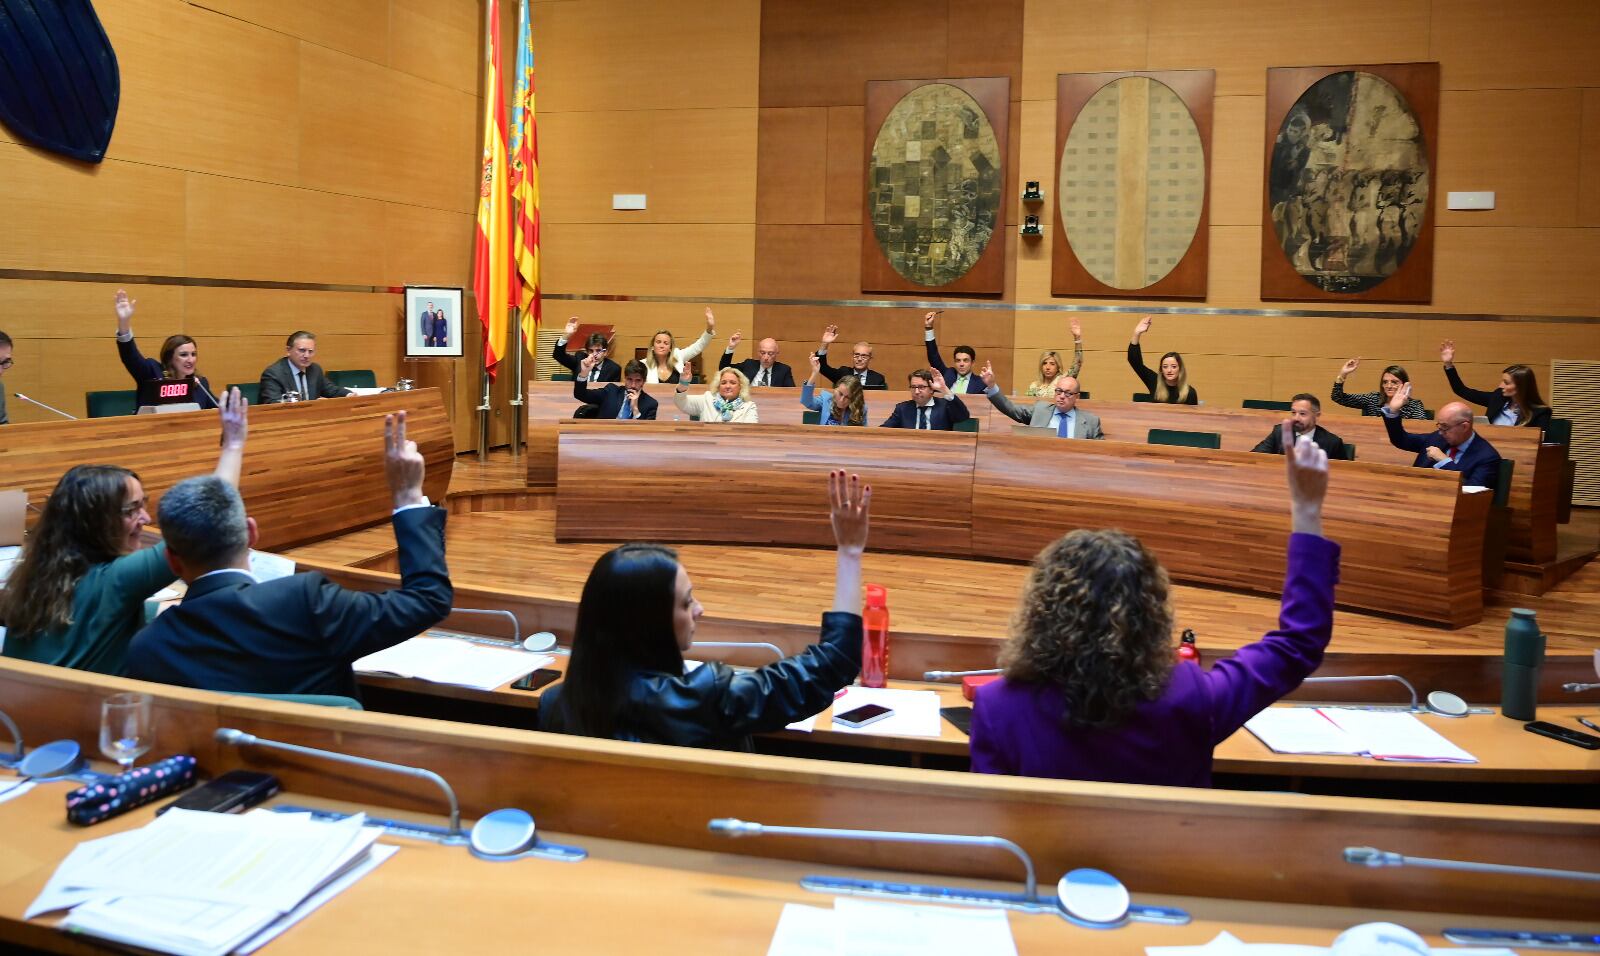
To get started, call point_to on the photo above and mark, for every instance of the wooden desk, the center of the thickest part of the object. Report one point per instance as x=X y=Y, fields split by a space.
x=1279 y=848
x=311 y=469
x=1412 y=542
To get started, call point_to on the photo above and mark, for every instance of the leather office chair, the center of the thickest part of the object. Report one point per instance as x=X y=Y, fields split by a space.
x=811 y=418
x=316 y=700
x=250 y=390
x=1171 y=436
x=108 y=404
x=1269 y=404
x=969 y=425
x=354 y=378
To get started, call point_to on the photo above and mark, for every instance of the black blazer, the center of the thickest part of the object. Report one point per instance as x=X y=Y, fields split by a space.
x=935 y=363
x=1324 y=439
x=1479 y=464
x=278 y=379
x=782 y=375
x=149 y=370
x=609 y=371
x=1150 y=377
x=610 y=397
x=1493 y=402
x=869 y=378
x=944 y=416
x=299 y=634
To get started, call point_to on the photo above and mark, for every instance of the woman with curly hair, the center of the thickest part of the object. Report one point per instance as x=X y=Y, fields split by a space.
x=1092 y=689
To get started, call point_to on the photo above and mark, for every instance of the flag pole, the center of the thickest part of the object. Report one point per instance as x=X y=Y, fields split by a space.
x=483 y=353
x=518 y=421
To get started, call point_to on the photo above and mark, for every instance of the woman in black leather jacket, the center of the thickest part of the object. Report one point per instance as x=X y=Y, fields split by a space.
x=637 y=617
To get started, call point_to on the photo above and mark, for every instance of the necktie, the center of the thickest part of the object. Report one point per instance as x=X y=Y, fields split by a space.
x=922 y=419
x=627 y=409
x=1063 y=426
x=301 y=376
x=764 y=377
x=1453 y=450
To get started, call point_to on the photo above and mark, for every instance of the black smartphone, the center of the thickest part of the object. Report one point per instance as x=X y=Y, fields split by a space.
x=233 y=792
x=542 y=677
x=863 y=715
x=959 y=717
x=1576 y=738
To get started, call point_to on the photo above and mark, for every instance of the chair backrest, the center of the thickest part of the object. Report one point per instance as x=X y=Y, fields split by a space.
x=561 y=377
x=966 y=425
x=354 y=378
x=1083 y=396
x=1558 y=432
x=1428 y=414
x=1269 y=404
x=250 y=390
x=1140 y=397
x=811 y=417
x=1172 y=436
x=1349 y=451
x=316 y=700
x=1502 y=482
x=108 y=404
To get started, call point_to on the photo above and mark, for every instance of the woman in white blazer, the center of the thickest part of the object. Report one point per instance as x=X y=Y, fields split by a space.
x=729 y=401
x=668 y=363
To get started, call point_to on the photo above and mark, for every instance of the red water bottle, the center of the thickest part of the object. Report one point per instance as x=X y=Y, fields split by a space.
x=1188 y=650
x=875 y=638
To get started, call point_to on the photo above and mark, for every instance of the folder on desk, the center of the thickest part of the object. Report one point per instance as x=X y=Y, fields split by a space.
x=1381 y=735
x=443 y=660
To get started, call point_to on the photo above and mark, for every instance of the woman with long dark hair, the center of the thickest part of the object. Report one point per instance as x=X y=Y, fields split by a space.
x=637 y=617
x=1371 y=403
x=1092 y=689
x=1171 y=386
x=180 y=356
x=77 y=594
x=1516 y=401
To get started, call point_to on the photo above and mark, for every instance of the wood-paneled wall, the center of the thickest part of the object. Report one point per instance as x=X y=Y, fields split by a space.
x=289 y=141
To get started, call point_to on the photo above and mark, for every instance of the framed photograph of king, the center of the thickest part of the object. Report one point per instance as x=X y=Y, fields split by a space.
x=433 y=322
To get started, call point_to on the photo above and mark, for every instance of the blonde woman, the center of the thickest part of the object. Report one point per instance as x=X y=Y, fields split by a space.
x=668 y=363
x=1171 y=387
x=728 y=402
x=1050 y=366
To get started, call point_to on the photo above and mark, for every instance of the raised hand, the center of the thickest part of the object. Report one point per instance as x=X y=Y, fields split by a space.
x=1307 y=466
x=234 y=408
x=1142 y=327
x=928 y=319
x=816 y=363
x=711 y=320
x=572 y=326
x=735 y=339
x=403 y=465
x=987 y=375
x=940 y=389
x=849 y=505
x=1350 y=367
x=830 y=335
x=632 y=396
x=1447 y=352
x=1077 y=330
x=587 y=363
x=1400 y=397
x=125 y=310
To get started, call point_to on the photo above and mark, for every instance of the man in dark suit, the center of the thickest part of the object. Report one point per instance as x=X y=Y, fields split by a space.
x=961 y=379
x=860 y=359
x=1304 y=411
x=764 y=369
x=606 y=371
x=627 y=401
x=931 y=408
x=428 y=315
x=296 y=372
x=1453 y=446
x=293 y=635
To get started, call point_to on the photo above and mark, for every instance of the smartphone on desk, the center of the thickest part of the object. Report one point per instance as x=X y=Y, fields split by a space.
x=542 y=677
x=959 y=717
x=1576 y=738
x=863 y=715
x=233 y=792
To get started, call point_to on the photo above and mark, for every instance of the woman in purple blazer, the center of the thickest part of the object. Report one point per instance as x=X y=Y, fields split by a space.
x=1092 y=688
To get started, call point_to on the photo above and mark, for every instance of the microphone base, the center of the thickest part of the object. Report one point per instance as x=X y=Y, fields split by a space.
x=441 y=835
x=962 y=896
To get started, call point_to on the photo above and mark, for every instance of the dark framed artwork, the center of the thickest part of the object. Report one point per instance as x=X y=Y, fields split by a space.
x=1133 y=167
x=1351 y=159
x=936 y=186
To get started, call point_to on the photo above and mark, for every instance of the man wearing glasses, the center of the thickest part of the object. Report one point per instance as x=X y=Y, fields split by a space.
x=5 y=366
x=931 y=408
x=860 y=358
x=1062 y=416
x=1452 y=447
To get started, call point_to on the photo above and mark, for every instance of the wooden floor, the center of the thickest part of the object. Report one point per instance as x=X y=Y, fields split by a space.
x=792 y=586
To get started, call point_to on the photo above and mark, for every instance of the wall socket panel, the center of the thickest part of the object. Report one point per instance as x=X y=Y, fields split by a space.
x=1469 y=201
x=627 y=201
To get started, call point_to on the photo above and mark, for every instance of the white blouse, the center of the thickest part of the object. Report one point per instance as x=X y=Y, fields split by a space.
x=700 y=407
x=680 y=358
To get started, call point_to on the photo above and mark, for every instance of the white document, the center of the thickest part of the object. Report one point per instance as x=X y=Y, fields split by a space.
x=442 y=660
x=375 y=855
x=12 y=789
x=916 y=712
x=1227 y=944
x=267 y=567
x=868 y=928
x=1391 y=735
x=9 y=556
x=359 y=390
x=804 y=931
x=1301 y=730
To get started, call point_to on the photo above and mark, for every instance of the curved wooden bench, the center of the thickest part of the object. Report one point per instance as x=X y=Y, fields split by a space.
x=311 y=469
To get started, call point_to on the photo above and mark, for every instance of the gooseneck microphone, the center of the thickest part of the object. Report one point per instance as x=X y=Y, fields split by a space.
x=48 y=408
x=1376 y=858
x=201 y=386
x=238 y=738
x=516 y=625
x=1576 y=688
x=951 y=675
x=16 y=738
x=1364 y=678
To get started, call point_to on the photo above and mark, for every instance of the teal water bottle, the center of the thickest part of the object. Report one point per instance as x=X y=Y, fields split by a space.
x=1519 y=682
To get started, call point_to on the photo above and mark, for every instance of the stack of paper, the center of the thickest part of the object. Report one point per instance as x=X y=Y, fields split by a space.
x=445 y=661
x=862 y=928
x=916 y=712
x=1382 y=735
x=207 y=884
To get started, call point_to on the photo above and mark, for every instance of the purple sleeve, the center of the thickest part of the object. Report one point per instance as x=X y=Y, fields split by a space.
x=1239 y=687
x=987 y=747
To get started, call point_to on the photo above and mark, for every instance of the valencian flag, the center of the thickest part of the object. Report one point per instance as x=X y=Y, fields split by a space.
x=493 y=276
x=525 y=182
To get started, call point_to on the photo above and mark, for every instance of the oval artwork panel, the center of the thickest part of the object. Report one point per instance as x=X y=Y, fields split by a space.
x=1348 y=182
x=1132 y=183
x=936 y=176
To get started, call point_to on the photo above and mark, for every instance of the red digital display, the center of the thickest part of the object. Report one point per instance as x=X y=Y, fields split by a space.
x=175 y=390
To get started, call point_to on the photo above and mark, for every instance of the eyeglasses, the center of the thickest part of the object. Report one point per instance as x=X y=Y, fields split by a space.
x=865 y=355
x=1062 y=392
x=134 y=507
x=921 y=388
x=1446 y=426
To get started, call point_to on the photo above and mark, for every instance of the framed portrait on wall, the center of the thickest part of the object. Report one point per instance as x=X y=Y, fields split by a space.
x=433 y=322
x=1351 y=154
x=936 y=185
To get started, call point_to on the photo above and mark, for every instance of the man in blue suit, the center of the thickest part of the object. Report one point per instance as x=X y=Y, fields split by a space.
x=625 y=401
x=1453 y=446
x=293 y=635
x=962 y=378
x=931 y=408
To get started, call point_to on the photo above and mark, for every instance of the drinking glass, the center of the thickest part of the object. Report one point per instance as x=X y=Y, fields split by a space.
x=127 y=728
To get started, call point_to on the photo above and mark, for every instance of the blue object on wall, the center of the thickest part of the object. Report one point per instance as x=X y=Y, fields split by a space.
x=59 y=85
